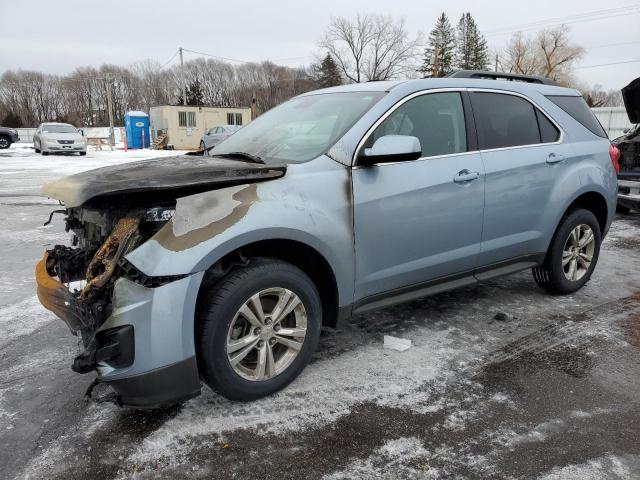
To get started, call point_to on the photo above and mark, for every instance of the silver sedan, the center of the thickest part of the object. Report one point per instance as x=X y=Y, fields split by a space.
x=217 y=134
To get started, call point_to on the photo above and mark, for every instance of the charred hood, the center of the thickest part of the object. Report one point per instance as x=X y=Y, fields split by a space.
x=146 y=180
x=631 y=98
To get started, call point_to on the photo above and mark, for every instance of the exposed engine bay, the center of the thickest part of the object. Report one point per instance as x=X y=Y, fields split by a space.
x=110 y=212
x=81 y=276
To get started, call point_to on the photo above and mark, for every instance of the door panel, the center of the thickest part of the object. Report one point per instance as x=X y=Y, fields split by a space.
x=413 y=223
x=518 y=185
x=418 y=220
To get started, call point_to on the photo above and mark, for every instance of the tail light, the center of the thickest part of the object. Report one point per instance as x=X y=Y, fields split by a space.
x=614 y=153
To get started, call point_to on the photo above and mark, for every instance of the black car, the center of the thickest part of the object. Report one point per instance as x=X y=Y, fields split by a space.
x=629 y=147
x=7 y=137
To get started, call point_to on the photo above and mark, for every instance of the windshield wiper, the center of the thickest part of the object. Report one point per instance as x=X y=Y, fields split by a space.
x=241 y=156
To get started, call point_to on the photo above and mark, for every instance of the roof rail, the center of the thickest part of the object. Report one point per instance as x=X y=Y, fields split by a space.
x=514 y=77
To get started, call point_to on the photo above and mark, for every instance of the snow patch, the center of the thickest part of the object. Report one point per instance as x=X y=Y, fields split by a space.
x=395 y=459
x=326 y=390
x=22 y=318
x=607 y=467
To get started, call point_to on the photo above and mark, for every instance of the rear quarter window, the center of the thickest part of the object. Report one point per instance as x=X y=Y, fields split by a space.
x=579 y=110
x=504 y=120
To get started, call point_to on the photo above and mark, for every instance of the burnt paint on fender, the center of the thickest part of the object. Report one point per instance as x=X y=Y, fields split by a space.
x=174 y=239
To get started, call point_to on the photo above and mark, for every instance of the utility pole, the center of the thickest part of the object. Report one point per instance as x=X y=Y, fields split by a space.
x=107 y=86
x=496 y=69
x=254 y=109
x=184 y=79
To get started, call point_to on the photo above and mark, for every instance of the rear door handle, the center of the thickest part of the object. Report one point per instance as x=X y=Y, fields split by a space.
x=554 y=158
x=465 y=176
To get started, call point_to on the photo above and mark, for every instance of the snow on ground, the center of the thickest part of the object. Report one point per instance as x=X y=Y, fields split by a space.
x=604 y=468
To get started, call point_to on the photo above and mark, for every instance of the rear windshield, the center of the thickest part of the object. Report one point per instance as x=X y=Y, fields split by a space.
x=578 y=109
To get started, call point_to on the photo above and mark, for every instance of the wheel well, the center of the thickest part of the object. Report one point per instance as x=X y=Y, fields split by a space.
x=595 y=203
x=306 y=258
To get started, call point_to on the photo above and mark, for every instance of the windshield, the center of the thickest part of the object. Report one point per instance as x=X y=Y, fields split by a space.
x=59 y=129
x=301 y=129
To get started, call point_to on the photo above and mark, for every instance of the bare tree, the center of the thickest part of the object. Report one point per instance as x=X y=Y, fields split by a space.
x=550 y=54
x=596 y=96
x=520 y=55
x=557 y=55
x=371 y=47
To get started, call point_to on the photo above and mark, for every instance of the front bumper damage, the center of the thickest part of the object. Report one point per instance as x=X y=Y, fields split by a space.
x=137 y=331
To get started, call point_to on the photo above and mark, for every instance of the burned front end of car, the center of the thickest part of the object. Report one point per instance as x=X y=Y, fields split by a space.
x=137 y=328
x=76 y=282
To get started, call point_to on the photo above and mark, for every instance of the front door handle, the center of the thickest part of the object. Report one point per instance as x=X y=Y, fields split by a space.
x=465 y=176
x=554 y=158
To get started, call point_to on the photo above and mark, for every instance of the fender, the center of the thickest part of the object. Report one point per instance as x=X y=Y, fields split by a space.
x=591 y=173
x=209 y=225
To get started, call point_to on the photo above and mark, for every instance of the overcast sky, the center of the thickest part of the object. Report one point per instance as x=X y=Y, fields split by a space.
x=57 y=36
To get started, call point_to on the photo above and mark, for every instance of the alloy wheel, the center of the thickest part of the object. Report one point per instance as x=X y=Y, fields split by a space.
x=266 y=334
x=578 y=251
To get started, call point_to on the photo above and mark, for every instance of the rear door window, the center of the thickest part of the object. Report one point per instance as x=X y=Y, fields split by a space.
x=504 y=120
x=579 y=110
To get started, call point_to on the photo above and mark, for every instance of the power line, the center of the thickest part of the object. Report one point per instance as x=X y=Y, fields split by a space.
x=612 y=45
x=608 y=64
x=170 y=60
x=576 y=18
x=217 y=56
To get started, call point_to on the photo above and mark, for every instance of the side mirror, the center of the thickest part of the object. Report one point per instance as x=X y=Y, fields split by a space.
x=391 y=148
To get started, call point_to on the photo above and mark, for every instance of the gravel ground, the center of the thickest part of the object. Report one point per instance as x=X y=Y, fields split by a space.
x=548 y=389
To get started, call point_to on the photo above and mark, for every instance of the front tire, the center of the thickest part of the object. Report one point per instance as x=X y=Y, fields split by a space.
x=5 y=142
x=572 y=255
x=257 y=329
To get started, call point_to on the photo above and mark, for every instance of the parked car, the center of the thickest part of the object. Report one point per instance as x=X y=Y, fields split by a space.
x=629 y=146
x=216 y=135
x=339 y=201
x=59 y=138
x=7 y=137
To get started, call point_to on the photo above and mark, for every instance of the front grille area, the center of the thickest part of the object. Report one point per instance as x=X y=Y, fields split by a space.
x=65 y=142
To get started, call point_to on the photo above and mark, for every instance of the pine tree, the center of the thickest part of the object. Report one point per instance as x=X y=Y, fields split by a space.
x=472 y=52
x=439 y=56
x=326 y=73
x=195 y=96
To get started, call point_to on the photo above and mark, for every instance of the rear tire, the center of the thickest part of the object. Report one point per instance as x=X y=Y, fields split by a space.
x=243 y=357
x=572 y=255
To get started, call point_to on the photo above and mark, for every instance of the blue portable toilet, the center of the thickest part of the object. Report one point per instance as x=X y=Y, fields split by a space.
x=136 y=125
